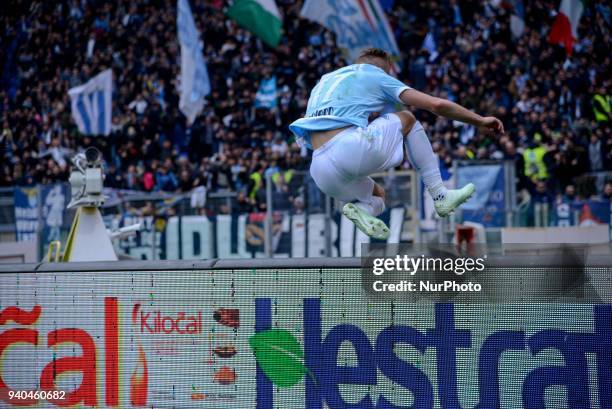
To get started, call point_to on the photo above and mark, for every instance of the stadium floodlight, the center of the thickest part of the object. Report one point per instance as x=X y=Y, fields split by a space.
x=87 y=179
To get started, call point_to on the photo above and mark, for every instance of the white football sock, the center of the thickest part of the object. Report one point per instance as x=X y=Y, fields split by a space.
x=375 y=207
x=425 y=161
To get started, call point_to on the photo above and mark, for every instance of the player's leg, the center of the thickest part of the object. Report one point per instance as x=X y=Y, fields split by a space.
x=334 y=183
x=363 y=212
x=425 y=161
x=421 y=156
x=419 y=152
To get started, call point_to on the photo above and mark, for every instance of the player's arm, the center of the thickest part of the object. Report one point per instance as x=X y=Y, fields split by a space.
x=450 y=110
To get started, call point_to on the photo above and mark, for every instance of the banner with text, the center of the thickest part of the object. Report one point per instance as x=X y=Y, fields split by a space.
x=243 y=236
x=488 y=204
x=282 y=338
x=26 y=213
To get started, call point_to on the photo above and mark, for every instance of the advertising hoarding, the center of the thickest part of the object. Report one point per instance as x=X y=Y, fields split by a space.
x=187 y=339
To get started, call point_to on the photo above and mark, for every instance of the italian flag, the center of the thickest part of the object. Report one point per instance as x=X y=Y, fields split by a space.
x=565 y=28
x=261 y=17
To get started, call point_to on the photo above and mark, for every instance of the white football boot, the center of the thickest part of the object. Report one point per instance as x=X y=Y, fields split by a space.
x=370 y=225
x=453 y=199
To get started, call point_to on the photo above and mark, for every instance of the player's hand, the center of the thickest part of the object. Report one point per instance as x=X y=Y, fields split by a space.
x=373 y=116
x=379 y=191
x=492 y=125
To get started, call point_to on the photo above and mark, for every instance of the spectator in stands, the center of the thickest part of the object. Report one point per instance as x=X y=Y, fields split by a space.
x=601 y=106
x=6 y=176
x=596 y=154
x=165 y=179
x=131 y=178
x=607 y=191
x=556 y=108
x=279 y=146
x=570 y=196
x=185 y=183
x=535 y=166
x=281 y=195
x=148 y=180
x=541 y=194
x=256 y=181
x=113 y=178
x=243 y=204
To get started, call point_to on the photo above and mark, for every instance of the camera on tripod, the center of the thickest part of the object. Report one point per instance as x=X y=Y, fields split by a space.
x=87 y=179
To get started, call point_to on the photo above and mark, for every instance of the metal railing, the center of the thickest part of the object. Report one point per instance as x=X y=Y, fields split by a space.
x=401 y=187
x=184 y=203
x=293 y=195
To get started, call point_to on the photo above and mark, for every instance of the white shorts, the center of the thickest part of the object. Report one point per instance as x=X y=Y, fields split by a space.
x=342 y=166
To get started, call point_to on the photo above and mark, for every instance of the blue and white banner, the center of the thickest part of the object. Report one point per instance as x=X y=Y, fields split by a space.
x=54 y=218
x=26 y=213
x=194 y=82
x=487 y=206
x=266 y=93
x=517 y=18
x=583 y=213
x=243 y=236
x=429 y=44
x=358 y=24
x=92 y=104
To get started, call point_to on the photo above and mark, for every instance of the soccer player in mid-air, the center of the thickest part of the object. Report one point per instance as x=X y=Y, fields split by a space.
x=348 y=149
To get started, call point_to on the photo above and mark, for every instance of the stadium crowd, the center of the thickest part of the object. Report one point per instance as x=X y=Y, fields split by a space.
x=556 y=109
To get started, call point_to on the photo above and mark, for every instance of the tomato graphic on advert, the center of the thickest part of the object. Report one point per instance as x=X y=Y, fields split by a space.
x=225 y=376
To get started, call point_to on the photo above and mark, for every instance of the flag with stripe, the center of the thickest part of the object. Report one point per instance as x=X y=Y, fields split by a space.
x=565 y=28
x=261 y=17
x=92 y=104
x=194 y=82
x=358 y=24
